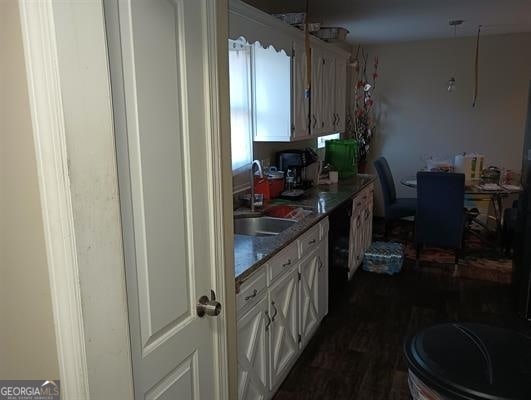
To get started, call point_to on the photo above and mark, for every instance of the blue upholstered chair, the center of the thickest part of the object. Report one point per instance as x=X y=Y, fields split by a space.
x=394 y=208
x=440 y=218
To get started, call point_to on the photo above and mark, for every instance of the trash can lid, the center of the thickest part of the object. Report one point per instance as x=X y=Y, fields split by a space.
x=472 y=361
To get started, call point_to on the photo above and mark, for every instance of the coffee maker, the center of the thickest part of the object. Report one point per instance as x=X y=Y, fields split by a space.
x=296 y=161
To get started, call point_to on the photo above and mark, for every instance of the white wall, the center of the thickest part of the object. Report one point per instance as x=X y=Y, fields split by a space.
x=420 y=117
x=27 y=338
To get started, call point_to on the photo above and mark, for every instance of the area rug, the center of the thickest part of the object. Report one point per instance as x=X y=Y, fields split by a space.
x=479 y=261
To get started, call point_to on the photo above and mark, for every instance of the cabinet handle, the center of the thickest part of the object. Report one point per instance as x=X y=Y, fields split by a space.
x=287 y=264
x=255 y=292
x=268 y=320
x=338 y=119
x=314 y=120
x=276 y=311
x=312 y=241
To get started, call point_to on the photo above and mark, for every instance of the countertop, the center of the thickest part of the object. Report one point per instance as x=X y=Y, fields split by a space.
x=250 y=252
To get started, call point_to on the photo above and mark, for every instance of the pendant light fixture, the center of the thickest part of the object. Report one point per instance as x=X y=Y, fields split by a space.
x=451 y=82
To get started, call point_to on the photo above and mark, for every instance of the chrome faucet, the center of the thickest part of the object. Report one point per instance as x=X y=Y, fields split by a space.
x=257 y=163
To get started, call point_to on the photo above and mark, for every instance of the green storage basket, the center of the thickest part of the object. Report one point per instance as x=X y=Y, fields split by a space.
x=343 y=155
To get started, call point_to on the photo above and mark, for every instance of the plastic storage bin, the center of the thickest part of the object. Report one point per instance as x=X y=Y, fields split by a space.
x=465 y=361
x=343 y=155
x=291 y=18
x=332 y=33
x=384 y=258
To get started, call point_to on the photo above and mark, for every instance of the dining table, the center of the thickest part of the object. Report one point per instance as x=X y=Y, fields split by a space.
x=475 y=190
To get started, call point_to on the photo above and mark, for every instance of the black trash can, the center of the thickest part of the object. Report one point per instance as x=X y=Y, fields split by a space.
x=469 y=361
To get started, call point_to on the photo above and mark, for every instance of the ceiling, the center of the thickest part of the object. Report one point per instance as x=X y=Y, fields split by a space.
x=381 y=21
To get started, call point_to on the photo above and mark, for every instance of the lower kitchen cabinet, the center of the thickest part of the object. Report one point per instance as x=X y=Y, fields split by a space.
x=309 y=286
x=322 y=271
x=284 y=330
x=253 y=352
x=360 y=237
x=276 y=322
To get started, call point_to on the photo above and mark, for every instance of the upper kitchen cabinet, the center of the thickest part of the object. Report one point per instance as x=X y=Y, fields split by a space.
x=300 y=94
x=283 y=109
x=322 y=92
x=272 y=94
x=340 y=98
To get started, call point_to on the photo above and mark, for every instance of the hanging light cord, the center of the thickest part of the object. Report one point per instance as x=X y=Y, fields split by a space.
x=476 y=69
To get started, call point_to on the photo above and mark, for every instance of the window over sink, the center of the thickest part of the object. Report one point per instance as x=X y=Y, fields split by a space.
x=241 y=121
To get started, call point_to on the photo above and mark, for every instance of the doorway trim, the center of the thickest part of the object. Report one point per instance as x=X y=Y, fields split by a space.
x=49 y=133
x=70 y=99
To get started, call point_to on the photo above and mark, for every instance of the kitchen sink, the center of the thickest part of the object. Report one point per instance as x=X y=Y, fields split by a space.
x=262 y=226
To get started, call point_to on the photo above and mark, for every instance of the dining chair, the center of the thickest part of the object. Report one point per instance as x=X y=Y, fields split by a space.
x=440 y=218
x=394 y=208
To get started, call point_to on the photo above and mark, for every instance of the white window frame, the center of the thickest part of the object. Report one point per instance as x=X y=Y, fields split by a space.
x=245 y=166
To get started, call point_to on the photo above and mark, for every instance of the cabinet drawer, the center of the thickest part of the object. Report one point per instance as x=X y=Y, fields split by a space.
x=309 y=240
x=251 y=289
x=283 y=261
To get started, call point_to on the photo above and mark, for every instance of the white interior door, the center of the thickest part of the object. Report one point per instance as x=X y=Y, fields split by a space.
x=159 y=52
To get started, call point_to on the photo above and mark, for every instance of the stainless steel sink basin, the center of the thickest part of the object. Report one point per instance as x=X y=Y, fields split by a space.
x=261 y=226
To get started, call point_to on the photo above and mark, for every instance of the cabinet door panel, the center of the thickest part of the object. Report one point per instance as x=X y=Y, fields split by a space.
x=301 y=102
x=283 y=332
x=354 y=239
x=309 y=294
x=316 y=101
x=272 y=96
x=322 y=270
x=253 y=353
x=340 y=93
x=328 y=95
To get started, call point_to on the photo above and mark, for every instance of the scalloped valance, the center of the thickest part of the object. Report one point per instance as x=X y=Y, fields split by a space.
x=255 y=31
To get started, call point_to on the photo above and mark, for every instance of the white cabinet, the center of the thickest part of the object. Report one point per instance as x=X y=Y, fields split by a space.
x=301 y=97
x=316 y=97
x=253 y=349
x=276 y=322
x=328 y=93
x=283 y=110
x=340 y=94
x=328 y=96
x=322 y=279
x=309 y=288
x=284 y=330
x=271 y=77
x=360 y=237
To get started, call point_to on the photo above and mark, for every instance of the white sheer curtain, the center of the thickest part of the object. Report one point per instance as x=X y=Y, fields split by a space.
x=240 y=104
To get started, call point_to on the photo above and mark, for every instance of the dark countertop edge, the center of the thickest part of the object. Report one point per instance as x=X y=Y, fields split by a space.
x=318 y=217
x=249 y=271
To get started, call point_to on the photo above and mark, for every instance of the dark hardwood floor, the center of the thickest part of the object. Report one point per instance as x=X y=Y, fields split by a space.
x=357 y=351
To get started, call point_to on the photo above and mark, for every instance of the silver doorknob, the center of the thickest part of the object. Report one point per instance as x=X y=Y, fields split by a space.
x=206 y=306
